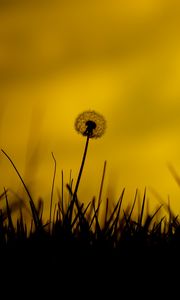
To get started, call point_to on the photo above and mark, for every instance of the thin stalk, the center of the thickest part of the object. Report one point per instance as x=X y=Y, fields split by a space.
x=62 y=191
x=102 y=182
x=31 y=202
x=52 y=191
x=81 y=168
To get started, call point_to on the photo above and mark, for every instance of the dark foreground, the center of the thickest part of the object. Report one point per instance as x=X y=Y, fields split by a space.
x=44 y=265
x=74 y=255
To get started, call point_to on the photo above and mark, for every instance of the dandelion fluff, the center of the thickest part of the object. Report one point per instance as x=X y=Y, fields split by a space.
x=91 y=124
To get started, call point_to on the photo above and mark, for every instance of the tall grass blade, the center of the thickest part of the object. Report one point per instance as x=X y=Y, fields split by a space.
x=102 y=183
x=11 y=229
x=32 y=205
x=114 y=211
x=52 y=191
x=142 y=209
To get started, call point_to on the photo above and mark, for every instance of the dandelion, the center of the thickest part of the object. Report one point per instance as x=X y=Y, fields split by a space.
x=92 y=125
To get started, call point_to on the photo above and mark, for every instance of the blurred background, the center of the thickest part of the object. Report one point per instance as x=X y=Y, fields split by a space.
x=120 y=58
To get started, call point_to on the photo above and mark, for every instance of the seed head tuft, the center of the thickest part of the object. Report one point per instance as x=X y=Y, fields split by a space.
x=90 y=123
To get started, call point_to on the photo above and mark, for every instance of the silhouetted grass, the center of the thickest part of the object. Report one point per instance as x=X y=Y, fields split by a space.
x=75 y=241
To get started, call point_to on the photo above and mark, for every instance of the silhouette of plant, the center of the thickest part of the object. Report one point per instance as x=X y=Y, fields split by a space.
x=92 y=125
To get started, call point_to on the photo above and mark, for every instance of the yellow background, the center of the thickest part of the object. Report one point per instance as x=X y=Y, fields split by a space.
x=120 y=58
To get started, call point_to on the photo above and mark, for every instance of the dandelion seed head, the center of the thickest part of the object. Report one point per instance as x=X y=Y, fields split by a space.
x=90 y=123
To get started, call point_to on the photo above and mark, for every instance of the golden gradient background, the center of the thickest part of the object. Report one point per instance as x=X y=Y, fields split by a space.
x=121 y=58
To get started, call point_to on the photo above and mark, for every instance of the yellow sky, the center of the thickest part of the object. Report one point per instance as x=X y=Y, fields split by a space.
x=121 y=58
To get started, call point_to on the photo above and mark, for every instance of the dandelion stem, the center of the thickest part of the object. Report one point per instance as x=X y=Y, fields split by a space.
x=81 y=168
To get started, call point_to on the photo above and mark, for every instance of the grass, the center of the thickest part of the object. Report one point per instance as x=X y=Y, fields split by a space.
x=77 y=240
x=80 y=224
